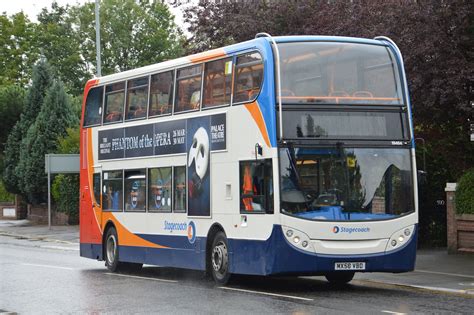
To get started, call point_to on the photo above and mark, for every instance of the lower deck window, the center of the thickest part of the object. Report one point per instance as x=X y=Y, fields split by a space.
x=179 y=187
x=135 y=190
x=159 y=189
x=256 y=186
x=112 y=191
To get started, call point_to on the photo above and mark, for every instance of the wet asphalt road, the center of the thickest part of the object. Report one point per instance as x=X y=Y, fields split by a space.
x=42 y=278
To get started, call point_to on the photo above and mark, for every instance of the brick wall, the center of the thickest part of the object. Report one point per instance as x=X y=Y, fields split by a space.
x=17 y=208
x=460 y=228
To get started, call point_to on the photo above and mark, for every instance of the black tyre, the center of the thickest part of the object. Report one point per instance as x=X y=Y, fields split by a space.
x=111 y=254
x=340 y=278
x=219 y=259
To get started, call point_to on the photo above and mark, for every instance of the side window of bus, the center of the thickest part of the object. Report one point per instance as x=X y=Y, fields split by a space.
x=256 y=186
x=112 y=190
x=96 y=183
x=114 y=99
x=179 y=189
x=188 y=89
x=137 y=97
x=217 y=83
x=161 y=93
x=93 y=112
x=159 y=189
x=135 y=190
x=248 y=77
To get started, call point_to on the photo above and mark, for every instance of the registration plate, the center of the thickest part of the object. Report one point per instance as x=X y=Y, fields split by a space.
x=349 y=266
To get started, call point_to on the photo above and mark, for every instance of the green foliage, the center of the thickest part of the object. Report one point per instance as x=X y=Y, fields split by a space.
x=15 y=148
x=65 y=192
x=465 y=193
x=12 y=98
x=60 y=44
x=5 y=196
x=69 y=144
x=65 y=188
x=17 y=54
x=133 y=33
x=55 y=117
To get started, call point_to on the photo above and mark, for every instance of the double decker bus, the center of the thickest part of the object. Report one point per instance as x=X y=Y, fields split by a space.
x=280 y=155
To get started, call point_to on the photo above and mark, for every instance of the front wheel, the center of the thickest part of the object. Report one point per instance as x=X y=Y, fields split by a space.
x=339 y=278
x=220 y=259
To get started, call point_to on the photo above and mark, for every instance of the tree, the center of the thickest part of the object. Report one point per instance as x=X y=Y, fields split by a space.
x=12 y=98
x=15 y=149
x=58 y=41
x=133 y=34
x=17 y=53
x=65 y=187
x=55 y=116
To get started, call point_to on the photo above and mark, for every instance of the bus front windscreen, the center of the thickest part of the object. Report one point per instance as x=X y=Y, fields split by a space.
x=346 y=184
x=338 y=73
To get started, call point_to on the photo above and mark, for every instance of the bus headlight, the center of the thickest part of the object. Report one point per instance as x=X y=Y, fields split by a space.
x=400 y=238
x=297 y=239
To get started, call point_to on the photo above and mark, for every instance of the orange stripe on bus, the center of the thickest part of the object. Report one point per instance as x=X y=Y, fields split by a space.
x=258 y=117
x=125 y=237
x=216 y=53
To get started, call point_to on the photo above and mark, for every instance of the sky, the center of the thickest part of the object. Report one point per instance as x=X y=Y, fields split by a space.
x=33 y=7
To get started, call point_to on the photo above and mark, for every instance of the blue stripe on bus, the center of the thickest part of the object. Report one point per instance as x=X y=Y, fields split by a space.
x=266 y=99
x=272 y=256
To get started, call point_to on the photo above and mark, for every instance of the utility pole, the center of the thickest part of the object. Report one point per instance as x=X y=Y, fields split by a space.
x=97 y=38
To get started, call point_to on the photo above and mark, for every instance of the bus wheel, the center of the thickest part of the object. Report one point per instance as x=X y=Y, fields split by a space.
x=111 y=250
x=112 y=255
x=220 y=259
x=339 y=278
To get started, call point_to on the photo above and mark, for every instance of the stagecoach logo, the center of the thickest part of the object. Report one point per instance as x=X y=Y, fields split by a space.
x=191 y=232
x=336 y=229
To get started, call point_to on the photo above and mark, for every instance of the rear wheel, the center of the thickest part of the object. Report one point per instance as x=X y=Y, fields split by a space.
x=220 y=259
x=339 y=278
x=112 y=254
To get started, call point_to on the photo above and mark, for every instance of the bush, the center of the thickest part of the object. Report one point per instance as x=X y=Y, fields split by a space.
x=465 y=193
x=5 y=196
x=65 y=192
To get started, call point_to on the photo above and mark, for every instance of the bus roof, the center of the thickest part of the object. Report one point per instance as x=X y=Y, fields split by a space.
x=222 y=52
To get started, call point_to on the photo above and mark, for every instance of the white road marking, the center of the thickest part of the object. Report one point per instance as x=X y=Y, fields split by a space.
x=390 y=312
x=445 y=273
x=60 y=247
x=268 y=293
x=48 y=266
x=138 y=277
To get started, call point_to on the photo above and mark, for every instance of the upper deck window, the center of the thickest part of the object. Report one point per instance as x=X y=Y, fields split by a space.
x=161 y=93
x=188 y=89
x=93 y=111
x=248 y=77
x=137 y=95
x=114 y=99
x=217 y=82
x=338 y=73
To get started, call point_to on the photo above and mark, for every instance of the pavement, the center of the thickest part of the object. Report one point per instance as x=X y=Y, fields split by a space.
x=435 y=270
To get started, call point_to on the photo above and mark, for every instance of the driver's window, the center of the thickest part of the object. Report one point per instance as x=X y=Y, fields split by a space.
x=256 y=186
